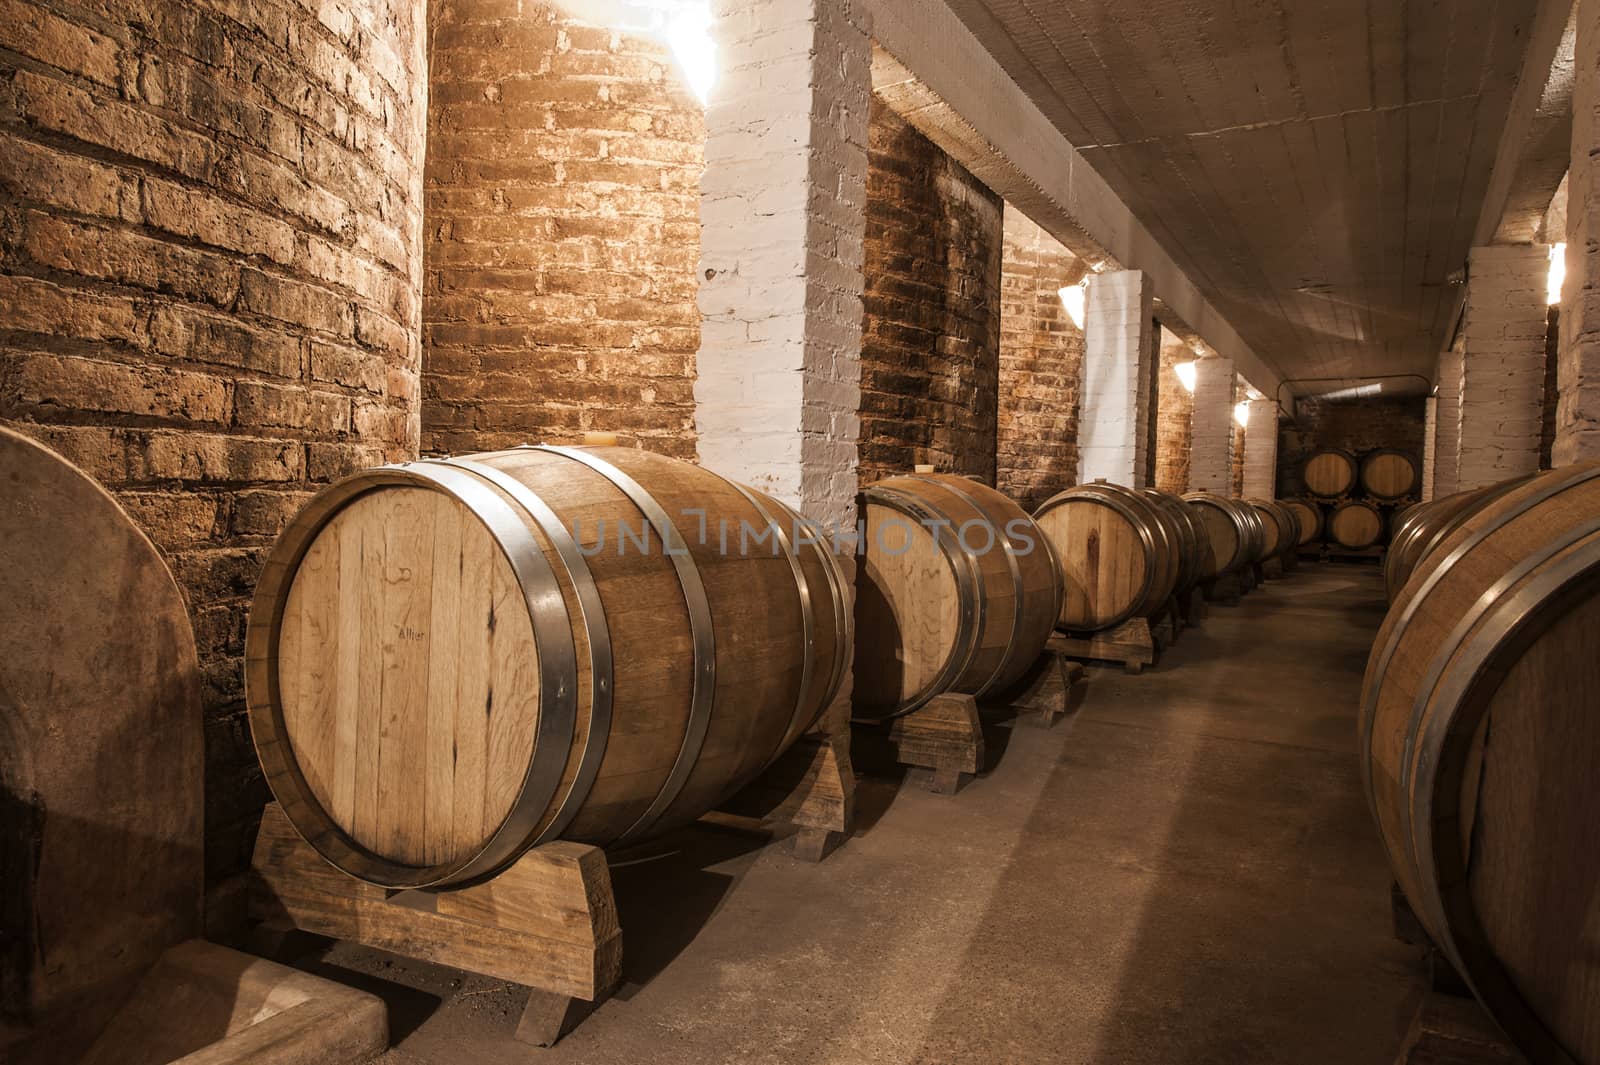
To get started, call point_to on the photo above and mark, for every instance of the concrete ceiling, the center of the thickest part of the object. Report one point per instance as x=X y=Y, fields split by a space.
x=1317 y=167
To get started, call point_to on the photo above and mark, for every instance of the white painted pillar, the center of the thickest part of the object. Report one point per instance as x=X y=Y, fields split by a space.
x=1261 y=450
x=1447 y=432
x=1430 y=445
x=1114 y=400
x=1502 y=365
x=1211 y=435
x=782 y=221
x=777 y=396
x=1578 y=364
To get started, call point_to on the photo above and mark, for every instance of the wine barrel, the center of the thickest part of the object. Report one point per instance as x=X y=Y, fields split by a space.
x=1423 y=527
x=956 y=592
x=1281 y=527
x=1388 y=474
x=1330 y=473
x=1308 y=513
x=1355 y=524
x=450 y=661
x=1192 y=538
x=1118 y=554
x=1480 y=747
x=1235 y=535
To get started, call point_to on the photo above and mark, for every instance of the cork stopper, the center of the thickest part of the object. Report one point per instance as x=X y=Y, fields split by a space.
x=599 y=439
x=922 y=467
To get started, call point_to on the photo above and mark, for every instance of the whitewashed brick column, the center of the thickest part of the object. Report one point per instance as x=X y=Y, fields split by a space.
x=1261 y=450
x=781 y=225
x=1430 y=444
x=1211 y=434
x=1447 y=431
x=1502 y=366
x=1578 y=364
x=1113 y=402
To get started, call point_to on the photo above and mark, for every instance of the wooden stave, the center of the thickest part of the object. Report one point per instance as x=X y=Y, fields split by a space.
x=1192 y=535
x=1504 y=575
x=979 y=663
x=1160 y=567
x=1290 y=522
x=1282 y=527
x=1255 y=526
x=516 y=833
x=1238 y=543
x=1354 y=504
x=1366 y=463
x=1170 y=543
x=1310 y=529
x=1351 y=467
x=1031 y=566
x=1428 y=528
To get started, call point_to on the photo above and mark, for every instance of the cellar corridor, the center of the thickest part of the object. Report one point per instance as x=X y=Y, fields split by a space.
x=1182 y=872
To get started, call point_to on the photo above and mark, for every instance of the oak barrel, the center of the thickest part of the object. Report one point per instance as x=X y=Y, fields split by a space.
x=1421 y=528
x=1355 y=524
x=956 y=592
x=1388 y=474
x=1191 y=536
x=1235 y=535
x=450 y=661
x=1119 y=554
x=1329 y=473
x=1308 y=513
x=1480 y=748
x=1282 y=528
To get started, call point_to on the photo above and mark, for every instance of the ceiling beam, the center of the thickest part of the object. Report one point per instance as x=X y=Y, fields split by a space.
x=931 y=70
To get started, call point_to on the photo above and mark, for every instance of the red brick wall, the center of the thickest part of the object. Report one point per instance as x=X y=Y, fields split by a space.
x=1174 y=416
x=1041 y=359
x=930 y=356
x=563 y=237
x=209 y=270
x=1356 y=425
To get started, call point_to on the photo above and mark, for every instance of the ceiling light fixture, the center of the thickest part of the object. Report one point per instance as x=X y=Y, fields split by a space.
x=1186 y=375
x=689 y=35
x=1074 y=300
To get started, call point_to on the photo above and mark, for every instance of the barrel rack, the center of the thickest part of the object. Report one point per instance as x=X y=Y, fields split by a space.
x=945 y=735
x=1450 y=1027
x=1132 y=644
x=549 y=920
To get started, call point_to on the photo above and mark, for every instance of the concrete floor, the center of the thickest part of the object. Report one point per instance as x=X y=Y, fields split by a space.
x=1182 y=872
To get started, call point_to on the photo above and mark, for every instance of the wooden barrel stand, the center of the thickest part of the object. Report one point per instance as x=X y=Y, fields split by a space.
x=941 y=743
x=1131 y=644
x=549 y=921
x=1044 y=695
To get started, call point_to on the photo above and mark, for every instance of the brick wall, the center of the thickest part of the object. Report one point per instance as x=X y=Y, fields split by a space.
x=563 y=206
x=1578 y=371
x=1236 y=479
x=1174 y=408
x=1356 y=425
x=1116 y=401
x=1041 y=357
x=1447 y=422
x=1503 y=369
x=209 y=269
x=930 y=355
x=1211 y=427
x=1552 y=392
